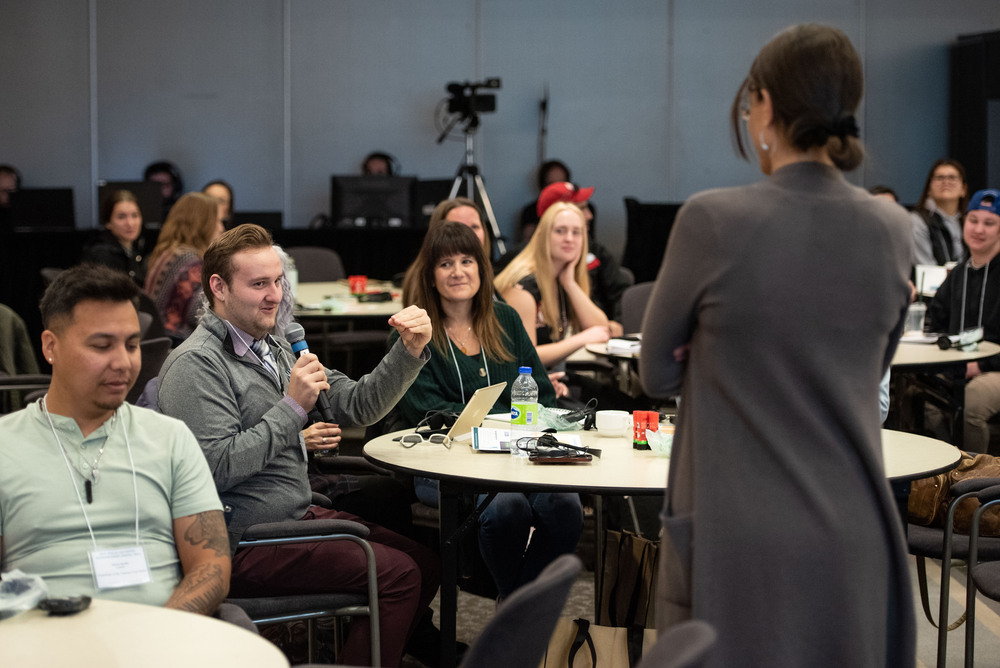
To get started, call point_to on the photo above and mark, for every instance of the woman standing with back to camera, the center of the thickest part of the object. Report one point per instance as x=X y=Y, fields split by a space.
x=775 y=314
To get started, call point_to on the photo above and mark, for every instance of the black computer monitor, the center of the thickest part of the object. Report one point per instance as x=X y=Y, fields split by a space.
x=269 y=220
x=42 y=208
x=427 y=194
x=148 y=195
x=371 y=201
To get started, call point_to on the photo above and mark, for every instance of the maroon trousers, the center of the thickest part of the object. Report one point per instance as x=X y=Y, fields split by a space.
x=408 y=578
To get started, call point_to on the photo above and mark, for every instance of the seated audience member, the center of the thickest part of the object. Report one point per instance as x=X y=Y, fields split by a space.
x=223 y=194
x=17 y=355
x=467 y=212
x=377 y=498
x=83 y=474
x=607 y=282
x=477 y=342
x=174 y=278
x=937 y=217
x=120 y=245
x=10 y=181
x=171 y=184
x=548 y=286
x=379 y=163
x=884 y=191
x=968 y=298
x=461 y=210
x=246 y=397
x=550 y=171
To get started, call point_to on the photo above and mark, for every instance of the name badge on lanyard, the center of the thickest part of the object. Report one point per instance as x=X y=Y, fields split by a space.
x=122 y=567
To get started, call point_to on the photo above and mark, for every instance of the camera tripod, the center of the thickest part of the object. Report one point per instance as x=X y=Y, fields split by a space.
x=468 y=173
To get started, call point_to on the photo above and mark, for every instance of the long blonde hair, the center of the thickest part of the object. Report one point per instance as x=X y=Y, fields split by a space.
x=536 y=258
x=441 y=241
x=192 y=222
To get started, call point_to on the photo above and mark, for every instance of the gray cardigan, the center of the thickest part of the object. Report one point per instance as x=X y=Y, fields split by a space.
x=249 y=435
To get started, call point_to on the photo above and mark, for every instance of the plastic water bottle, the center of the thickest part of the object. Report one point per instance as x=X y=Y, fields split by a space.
x=524 y=401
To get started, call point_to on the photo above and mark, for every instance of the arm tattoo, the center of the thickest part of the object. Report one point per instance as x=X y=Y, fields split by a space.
x=209 y=531
x=201 y=591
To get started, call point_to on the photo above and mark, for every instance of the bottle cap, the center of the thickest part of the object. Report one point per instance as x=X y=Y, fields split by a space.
x=524 y=369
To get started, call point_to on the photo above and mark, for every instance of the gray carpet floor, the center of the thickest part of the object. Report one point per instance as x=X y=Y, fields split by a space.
x=475 y=612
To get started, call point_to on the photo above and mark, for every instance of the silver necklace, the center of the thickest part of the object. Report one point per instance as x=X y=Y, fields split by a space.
x=95 y=474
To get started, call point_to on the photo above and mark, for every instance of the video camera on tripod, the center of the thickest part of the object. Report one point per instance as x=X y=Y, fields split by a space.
x=466 y=100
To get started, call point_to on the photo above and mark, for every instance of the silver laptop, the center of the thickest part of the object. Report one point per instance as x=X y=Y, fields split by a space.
x=475 y=411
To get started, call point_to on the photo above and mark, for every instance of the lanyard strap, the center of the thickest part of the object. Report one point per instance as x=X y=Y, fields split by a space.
x=76 y=486
x=458 y=372
x=982 y=295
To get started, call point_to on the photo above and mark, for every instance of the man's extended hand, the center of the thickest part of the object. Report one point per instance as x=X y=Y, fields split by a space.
x=307 y=380
x=414 y=327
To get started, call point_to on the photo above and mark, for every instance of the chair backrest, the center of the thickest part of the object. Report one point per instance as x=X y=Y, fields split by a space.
x=686 y=645
x=316 y=264
x=154 y=353
x=519 y=633
x=145 y=320
x=634 y=306
x=648 y=228
x=155 y=329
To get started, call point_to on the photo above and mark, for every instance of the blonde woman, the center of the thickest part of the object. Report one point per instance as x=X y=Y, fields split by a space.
x=174 y=278
x=548 y=286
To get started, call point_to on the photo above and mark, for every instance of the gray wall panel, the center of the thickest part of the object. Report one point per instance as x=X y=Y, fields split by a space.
x=196 y=83
x=45 y=113
x=640 y=90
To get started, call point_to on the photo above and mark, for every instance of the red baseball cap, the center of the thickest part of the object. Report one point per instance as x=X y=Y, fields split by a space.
x=561 y=191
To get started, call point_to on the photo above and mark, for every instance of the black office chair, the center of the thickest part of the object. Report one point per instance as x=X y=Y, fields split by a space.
x=154 y=354
x=317 y=264
x=519 y=633
x=310 y=607
x=943 y=543
x=155 y=328
x=634 y=301
x=982 y=576
x=18 y=390
x=648 y=227
x=686 y=645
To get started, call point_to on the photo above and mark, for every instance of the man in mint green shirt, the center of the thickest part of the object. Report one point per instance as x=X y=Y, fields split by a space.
x=97 y=496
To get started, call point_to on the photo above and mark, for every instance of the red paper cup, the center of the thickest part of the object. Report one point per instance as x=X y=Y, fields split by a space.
x=358 y=284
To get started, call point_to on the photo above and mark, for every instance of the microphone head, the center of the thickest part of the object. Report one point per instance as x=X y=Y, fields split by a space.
x=294 y=333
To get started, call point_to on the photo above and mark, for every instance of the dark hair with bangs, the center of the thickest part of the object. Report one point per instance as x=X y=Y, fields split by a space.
x=443 y=241
x=815 y=80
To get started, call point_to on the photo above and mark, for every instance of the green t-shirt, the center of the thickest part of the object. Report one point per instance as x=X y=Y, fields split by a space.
x=42 y=526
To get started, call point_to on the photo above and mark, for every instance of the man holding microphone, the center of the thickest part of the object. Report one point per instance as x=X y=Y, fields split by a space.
x=246 y=398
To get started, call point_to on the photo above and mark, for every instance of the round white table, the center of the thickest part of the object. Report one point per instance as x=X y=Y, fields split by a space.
x=928 y=354
x=928 y=361
x=111 y=633
x=620 y=470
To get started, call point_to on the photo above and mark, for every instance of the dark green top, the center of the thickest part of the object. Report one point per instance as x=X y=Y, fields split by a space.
x=437 y=386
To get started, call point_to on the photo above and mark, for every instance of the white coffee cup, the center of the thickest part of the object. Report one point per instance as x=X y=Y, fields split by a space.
x=612 y=423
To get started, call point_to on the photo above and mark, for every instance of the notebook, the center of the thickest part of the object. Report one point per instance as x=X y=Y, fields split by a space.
x=474 y=412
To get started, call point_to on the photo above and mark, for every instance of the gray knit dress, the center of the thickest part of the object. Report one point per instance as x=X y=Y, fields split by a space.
x=780 y=527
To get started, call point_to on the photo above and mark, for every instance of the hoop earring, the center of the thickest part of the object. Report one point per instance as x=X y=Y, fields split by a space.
x=763 y=144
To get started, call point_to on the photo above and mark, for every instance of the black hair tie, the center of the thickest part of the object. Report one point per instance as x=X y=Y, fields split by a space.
x=843 y=127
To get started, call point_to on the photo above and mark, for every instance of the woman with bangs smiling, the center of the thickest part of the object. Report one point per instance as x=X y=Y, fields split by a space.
x=478 y=341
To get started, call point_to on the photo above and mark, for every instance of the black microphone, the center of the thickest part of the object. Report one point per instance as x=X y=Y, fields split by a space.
x=296 y=336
